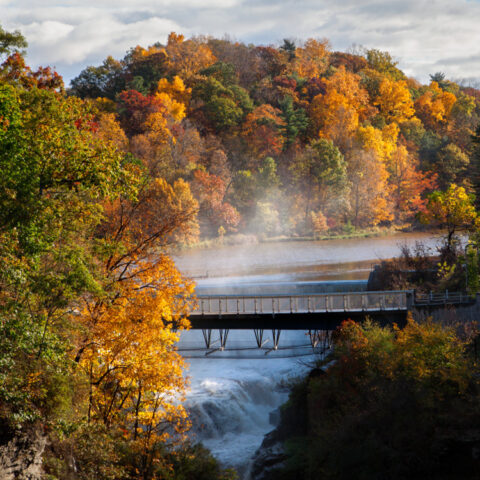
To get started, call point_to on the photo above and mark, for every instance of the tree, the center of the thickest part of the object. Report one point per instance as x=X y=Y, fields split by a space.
x=451 y=165
x=262 y=131
x=11 y=42
x=55 y=171
x=126 y=346
x=215 y=211
x=383 y=63
x=407 y=184
x=296 y=121
x=452 y=209
x=187 y=57
x=103 y=81
x=433 y=107
x=475 y=160
x=320 y=172
x=394 y=101
x=336 y=114
x=289 y=48
x=225 y=106
x=311 y=60
x=369 y=197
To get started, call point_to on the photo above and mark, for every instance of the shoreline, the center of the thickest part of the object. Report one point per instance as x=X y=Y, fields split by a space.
x=253 y=239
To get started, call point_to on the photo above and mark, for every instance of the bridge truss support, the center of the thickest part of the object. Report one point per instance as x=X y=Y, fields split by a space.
x=207 y=336
x=320 y=338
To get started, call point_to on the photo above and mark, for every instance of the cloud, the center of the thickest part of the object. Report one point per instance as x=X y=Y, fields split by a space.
x=425 y=36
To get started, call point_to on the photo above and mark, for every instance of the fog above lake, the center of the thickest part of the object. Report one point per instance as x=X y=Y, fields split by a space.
x=349 y=259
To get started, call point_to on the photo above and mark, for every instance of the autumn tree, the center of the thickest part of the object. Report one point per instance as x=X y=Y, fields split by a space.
x=55 y=171
x=311 y=60
x=215 y=211
x=383 y=63
x=369 y=197
x=262 y=131
x=408 y=184
x=187 y=57
x=452 y=209
x=337 y=113
x=434 y=106
x=425 y=368
x=394 y=101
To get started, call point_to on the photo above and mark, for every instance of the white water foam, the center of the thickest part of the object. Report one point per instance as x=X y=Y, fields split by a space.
x=230 y=399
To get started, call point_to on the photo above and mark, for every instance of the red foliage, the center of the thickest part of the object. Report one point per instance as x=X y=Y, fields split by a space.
x=134 y=108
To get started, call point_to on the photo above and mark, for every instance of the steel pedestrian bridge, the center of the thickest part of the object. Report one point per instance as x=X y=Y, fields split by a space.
x=319 y=314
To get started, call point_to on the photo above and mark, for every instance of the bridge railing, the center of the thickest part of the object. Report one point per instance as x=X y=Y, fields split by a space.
x=277 y=304
x=432 y=298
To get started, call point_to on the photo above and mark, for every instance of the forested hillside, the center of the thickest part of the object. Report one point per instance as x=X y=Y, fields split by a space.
x=294 y=140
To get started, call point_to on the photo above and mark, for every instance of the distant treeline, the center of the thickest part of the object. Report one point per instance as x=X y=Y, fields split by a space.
x=297 y=139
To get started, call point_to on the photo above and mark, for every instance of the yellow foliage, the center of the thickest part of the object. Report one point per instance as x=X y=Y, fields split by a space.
x=187 y=57
x=453 y=208
x=319 y=222
x=135 y=374
x=109 y=130
x=156 y=125
x=369 y=196
x=394 y=101
x=174 y=96
x=381 y=142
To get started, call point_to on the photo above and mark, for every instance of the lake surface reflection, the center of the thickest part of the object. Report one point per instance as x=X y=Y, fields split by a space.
x=272 y=262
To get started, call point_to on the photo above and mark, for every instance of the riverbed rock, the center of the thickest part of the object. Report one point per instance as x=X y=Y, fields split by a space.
x=21 y=454
x=268 y=458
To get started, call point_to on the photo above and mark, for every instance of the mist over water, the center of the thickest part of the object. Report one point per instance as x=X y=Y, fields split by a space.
x=231 y=396
x=297 y=260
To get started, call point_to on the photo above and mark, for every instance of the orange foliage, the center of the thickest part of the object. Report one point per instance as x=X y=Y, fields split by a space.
x=187 y=57
x=434 y=106
x=311 y=60
x=210 y=191
x=262 y=131
x=408 y=184
x=337 y=113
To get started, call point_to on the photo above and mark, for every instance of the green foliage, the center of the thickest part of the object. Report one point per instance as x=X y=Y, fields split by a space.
x=289 y=48
x=223 y=72
x=296 y=121
x=322 y=171
x=383 y=63
x=451 y=165
x=267 y=178
x=102 y=81
x=225 y=106
x=11 y=42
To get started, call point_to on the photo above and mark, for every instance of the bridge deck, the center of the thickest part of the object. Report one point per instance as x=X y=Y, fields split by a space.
x=226 y=305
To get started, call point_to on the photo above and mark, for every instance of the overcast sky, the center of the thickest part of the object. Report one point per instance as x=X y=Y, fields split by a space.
x=425 y=36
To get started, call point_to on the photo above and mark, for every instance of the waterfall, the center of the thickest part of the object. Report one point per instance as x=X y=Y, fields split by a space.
x=231 y=397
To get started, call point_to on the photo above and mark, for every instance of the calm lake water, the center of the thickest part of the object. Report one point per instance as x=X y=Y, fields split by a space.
x=325 y=260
